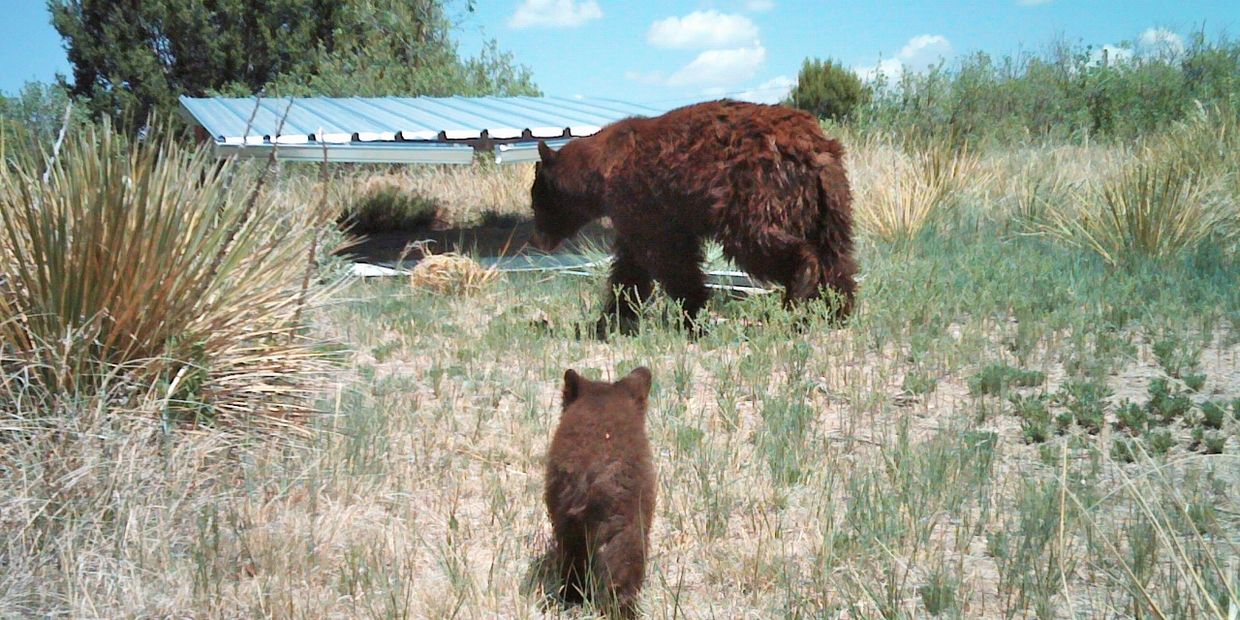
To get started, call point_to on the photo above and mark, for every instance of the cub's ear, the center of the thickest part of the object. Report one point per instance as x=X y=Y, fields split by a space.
x=572 y=386
x=637 y=383
x=546 y=153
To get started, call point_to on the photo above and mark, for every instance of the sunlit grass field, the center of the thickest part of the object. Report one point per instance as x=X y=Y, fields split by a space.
x=1034 y=413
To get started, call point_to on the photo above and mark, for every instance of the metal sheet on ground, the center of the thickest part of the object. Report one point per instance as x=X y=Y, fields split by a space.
x=567 y=264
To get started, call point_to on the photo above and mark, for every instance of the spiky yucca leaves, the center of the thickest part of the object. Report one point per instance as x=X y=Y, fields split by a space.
x=1169 y=195
x=900 y=190
x=150 y=258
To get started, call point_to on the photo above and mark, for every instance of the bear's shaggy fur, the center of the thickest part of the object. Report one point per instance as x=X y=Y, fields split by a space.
x=763 y=180
x=600 y=490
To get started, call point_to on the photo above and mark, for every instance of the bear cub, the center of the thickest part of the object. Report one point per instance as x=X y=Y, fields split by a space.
x=600 y=490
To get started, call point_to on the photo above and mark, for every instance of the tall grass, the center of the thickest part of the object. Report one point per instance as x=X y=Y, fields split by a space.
x=149 y=260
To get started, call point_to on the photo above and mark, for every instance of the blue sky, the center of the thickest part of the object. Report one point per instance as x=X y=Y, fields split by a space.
x=671 y=52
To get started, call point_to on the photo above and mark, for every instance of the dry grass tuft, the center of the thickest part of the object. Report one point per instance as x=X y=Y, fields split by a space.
x=452 y=274
x=899 y=191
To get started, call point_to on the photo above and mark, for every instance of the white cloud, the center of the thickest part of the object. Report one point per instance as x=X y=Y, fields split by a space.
x=919 y=54
x=1153 y=44
x=702 y=30
x=759 y=6
x=1160 y=43
x=890 y=69
x=720 y=67
x=773 y=90
x=925 y=51
x=1114 y=54
x=555 y=13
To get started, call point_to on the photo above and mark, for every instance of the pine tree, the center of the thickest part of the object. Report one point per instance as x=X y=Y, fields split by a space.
x=827 y=89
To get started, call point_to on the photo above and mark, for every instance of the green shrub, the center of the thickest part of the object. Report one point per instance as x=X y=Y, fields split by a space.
x=1166 y=403
x=1086 y=402
x=1124 y=450
x=919 y=382
x=1177 y=356
x=1212 y=414
x=1064 y=93
x=1160 y=441
x=1132 y=418
x=827 y=89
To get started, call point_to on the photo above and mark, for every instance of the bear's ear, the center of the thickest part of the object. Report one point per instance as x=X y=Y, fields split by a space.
x=637 y=383
x=572 y=386
x=546 y=153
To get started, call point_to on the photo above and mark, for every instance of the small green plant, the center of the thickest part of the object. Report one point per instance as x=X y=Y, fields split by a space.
x=938 y=594
x=1035 y=417
x=1131 y=417
x=996 y=379
x=1213 y=415
x=919 y=382
x=1124 y=449
x=1166 y=403
x=1178 y=358
x=1159 y=441
x=1196 y=438
x=1194 y=381
x=1214 y=442
x=1063 y=420
x=1086 y=402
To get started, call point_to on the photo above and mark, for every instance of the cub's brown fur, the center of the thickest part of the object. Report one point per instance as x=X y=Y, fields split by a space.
x=600 y=490
x=762 y=180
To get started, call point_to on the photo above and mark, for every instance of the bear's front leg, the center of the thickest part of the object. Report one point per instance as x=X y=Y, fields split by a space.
x=628 y=288
x=676 y=261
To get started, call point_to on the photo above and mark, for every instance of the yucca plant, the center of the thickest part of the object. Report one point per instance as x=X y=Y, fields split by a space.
x=899 y=192
x=1153 y=207
x=1172 y=193
x=149 y=257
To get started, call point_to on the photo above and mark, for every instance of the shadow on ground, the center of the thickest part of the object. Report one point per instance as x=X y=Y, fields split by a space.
x=505 y=238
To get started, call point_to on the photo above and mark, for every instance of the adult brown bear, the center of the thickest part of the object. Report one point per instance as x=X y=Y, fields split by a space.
x=600 y=490
x=762 y=180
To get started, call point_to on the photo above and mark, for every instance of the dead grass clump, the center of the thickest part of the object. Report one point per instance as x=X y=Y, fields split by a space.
x=900 y=190
x=452 y=274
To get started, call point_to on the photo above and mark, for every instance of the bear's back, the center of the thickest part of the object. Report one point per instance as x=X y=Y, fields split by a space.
x=719 y=131
x=600 y=461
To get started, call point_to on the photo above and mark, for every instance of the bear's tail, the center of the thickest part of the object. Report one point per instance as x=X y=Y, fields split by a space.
x=834 y=241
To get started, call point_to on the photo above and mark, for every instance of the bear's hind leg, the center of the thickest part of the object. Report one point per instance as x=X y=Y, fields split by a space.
x=621 y=567
x=629 y=287
x=572 y=557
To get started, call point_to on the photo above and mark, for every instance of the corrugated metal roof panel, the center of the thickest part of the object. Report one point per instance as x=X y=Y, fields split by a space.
x=389 y=119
